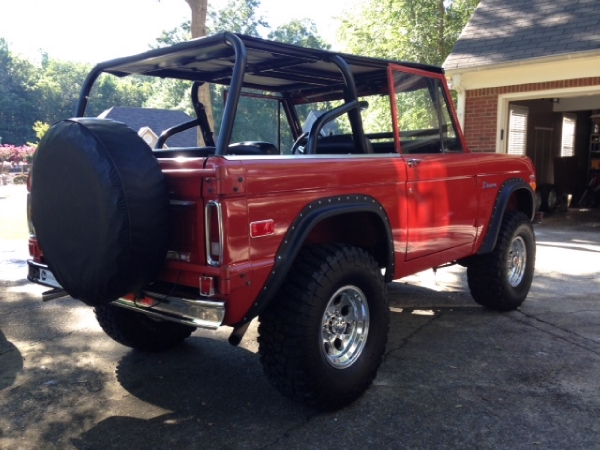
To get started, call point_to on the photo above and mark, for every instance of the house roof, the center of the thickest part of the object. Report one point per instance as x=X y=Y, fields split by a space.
x=158 y=120
x=503 y=31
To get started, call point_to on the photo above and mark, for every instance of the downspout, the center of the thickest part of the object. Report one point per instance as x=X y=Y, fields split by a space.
x=461 y=100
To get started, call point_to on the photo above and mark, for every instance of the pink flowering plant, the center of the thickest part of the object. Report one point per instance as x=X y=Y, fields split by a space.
x=16 y=154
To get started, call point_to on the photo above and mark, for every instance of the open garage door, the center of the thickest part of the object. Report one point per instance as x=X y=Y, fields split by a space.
x=556 y=132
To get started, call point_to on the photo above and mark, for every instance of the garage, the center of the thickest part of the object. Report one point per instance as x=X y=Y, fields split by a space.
x=527 y=78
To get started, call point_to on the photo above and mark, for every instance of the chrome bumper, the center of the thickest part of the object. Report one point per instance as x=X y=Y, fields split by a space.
x=194 y=312
x=197 y=313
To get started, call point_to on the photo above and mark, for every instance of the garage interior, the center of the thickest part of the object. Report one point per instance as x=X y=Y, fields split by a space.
x=566 y=159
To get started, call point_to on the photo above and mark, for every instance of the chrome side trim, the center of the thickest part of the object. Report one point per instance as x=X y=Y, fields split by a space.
x=197 y=313
x=207 y=244
x=182 y=203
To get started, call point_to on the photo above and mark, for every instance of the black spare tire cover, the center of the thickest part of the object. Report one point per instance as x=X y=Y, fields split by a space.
x=100 y=208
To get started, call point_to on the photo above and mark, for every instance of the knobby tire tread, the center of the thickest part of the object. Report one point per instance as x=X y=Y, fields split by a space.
x=284 y=327
x=486 y=273
x=135 y=330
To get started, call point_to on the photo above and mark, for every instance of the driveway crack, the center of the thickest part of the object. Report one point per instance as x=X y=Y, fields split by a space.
x=438 y=315
x=558 y=332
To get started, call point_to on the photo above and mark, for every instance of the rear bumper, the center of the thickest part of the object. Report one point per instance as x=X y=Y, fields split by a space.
x=194 y=312
x=40 y=274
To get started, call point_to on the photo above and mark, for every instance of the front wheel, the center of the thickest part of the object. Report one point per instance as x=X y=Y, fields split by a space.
x=323 y=338
x=500 y=280
x=139 y=331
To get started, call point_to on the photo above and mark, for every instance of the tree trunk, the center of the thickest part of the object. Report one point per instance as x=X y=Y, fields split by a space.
x=198 y=25
x=198 y=28
x=441 y=30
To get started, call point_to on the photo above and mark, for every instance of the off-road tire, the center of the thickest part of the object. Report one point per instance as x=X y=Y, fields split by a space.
x=323 y=337
x=500 y=280
x=138 y=331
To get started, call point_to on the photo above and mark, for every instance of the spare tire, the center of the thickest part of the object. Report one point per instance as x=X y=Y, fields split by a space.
x=100 y=208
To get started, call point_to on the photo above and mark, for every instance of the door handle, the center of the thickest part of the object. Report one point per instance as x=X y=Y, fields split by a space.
x=413 y=162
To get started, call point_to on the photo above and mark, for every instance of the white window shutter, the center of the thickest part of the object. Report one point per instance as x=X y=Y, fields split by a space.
x=568 y=135
x=517 y=130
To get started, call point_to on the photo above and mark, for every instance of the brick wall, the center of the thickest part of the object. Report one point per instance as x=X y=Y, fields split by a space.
x=481 y=109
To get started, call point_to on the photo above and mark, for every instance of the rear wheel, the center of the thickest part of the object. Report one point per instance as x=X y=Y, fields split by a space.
x=500 y=280
x=139 y=331
x=323 y=338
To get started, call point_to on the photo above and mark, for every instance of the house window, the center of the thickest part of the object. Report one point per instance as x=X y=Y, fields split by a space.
x=517 y=130
x=567 y=147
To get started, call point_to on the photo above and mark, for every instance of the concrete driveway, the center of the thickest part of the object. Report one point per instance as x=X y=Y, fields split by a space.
x=455 y=375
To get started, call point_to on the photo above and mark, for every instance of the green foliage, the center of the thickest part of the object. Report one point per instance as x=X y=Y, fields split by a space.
x=170 y=94
x=110 y=91
x=33 y=96
x=174 y=36
x=57 y=89
x=413 y=30
x=238 y=16
x=302 y=32
x=17 y=99
x=40 y=129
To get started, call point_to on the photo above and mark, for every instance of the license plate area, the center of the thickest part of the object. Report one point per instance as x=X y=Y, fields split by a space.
x=40 y=274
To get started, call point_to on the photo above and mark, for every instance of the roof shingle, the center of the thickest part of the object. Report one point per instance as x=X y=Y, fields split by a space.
x=501 y=31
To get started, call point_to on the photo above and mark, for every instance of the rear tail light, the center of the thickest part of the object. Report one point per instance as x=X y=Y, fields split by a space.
x=29 y=222
x=213 y=228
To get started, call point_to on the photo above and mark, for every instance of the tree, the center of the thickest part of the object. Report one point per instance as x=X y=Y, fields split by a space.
x=414 y=30
x=18 y=103
x=255 y=117
x=301 y=32
x=238 y=16
x=198 y=29
x=198 y=23
x=57 y=88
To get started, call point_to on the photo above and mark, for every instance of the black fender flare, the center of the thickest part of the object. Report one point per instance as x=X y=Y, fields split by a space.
x=299 y=230
x=508 y=188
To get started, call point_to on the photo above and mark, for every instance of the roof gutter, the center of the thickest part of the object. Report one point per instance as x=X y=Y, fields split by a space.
x=519 y=63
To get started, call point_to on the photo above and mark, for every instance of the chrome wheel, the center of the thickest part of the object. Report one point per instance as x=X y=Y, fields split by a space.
x=345 y=327
x=517 y=261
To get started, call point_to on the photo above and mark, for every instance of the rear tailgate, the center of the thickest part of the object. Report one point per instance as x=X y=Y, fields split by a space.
x=186 y=258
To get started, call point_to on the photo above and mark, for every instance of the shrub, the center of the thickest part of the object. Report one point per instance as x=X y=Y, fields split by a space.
x=15 y=155
x=20 y=179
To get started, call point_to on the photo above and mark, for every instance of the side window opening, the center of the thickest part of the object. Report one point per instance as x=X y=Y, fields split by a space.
x=423 y=119
x=376 y=119
x=261 y=117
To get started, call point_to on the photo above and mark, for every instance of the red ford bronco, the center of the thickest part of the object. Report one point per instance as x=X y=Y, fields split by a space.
x=325 y=177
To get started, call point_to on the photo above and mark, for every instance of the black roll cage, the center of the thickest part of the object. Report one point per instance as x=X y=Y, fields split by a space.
x=300 y=75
